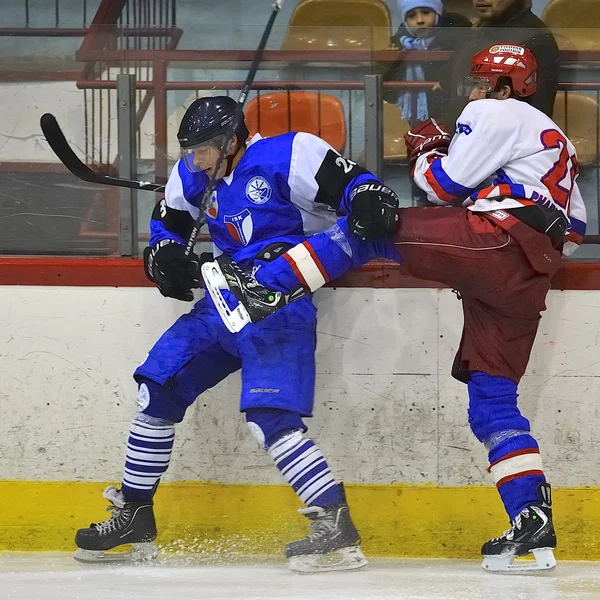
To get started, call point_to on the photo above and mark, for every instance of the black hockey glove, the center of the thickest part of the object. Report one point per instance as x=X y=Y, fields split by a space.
x=374 y=210
x=174 y=273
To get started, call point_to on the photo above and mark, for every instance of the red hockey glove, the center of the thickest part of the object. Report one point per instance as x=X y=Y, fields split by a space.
x=425 y=137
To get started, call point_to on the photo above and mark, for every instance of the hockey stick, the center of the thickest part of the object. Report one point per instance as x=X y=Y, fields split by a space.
x=61 y=148
x=223 y=153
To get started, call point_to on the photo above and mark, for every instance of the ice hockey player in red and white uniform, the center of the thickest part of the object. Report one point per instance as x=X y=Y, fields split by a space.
x=498 y=247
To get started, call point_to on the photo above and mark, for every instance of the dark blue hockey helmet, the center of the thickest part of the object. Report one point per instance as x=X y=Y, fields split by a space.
x=210 y=117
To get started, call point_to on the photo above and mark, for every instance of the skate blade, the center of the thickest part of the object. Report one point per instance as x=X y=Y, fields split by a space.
x=214 y=281
x=143 y=551
x=344 y=559
x=544 y=561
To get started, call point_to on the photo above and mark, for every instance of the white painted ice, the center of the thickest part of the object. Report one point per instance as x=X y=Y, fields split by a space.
x=59 y=577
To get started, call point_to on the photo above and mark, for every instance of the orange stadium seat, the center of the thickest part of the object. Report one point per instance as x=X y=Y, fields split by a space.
x=579 y=122
x=280 y=112
x=575 y=23
x=339 y=25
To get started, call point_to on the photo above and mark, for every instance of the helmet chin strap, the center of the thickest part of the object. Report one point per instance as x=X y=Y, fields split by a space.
x=231 y=158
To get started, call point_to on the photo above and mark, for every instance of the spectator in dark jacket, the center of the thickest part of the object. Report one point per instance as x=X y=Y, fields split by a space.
x=508 y=21
x=425 y=26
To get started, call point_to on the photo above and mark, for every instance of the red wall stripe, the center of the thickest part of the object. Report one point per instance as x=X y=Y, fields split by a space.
x=124 y=272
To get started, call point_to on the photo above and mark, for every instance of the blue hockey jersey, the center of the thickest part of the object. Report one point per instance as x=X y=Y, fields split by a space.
x=284 y=189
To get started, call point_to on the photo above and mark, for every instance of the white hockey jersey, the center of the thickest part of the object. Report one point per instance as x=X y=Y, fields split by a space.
x=533 y=160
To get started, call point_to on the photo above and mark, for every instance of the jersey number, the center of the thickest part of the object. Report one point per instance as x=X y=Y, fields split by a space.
x=560 y=172
x=345 y=163
x=163 y=208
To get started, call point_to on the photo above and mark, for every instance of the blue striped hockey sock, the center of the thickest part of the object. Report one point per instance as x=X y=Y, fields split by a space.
x=517 y=469
x=306 y=470
x=148 y=455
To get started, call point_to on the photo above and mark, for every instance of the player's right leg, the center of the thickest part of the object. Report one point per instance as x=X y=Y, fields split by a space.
x=502 y=297
x=184 y=362
x=333 y=543
x=516 y=466
x=502 y=306
x=278 y=380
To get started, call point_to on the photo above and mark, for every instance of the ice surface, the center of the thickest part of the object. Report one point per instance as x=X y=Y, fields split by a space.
x=58 y=576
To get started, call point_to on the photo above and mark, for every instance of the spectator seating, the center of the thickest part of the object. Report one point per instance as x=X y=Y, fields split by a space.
x=339 y=25
x=280 y=112
x=574 y=23
x=579 y=122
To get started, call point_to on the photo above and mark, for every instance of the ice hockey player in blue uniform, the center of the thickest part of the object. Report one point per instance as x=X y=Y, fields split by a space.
x=271 y=194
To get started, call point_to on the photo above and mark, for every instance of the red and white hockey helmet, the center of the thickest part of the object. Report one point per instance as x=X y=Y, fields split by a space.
x=507 y=60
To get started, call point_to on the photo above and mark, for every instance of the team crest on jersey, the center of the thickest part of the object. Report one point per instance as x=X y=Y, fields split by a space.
x=258 y=190
x=213 y=206
x=240 y=226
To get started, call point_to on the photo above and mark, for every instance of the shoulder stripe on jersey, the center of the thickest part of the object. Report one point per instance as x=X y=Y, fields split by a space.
x=444 y=187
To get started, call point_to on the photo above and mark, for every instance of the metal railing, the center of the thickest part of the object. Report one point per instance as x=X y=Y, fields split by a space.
x=140 y=38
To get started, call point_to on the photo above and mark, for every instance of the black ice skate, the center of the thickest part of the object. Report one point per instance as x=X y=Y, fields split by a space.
x=333 y=544
x=130 y=523
x=256 y=302
x=532 y=532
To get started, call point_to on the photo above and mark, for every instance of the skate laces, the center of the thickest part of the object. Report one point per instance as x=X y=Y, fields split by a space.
x=119 y=518
x=322 y=522
x=248 y=282
x=517 y=524
x=119 y=508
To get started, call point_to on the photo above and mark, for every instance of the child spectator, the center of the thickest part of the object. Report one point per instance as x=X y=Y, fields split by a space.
x=425 y=26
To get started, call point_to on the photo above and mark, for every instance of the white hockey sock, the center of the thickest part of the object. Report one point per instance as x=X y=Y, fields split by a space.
x=148 y=455
x=305 y=469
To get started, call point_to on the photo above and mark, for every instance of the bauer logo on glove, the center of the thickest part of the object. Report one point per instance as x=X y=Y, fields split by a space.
x=374 y=210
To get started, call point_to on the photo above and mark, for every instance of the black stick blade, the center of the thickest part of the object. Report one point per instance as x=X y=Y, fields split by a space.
x=61 y=148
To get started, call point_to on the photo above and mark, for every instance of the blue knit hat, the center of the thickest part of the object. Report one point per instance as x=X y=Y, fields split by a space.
x=405 y=6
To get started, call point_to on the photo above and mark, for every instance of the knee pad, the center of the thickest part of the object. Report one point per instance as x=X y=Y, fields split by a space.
x=267 y=425
x=493 y=407
x=155 y=401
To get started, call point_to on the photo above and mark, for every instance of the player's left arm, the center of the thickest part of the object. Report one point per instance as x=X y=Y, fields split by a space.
x=319 y=174
x=449 y=171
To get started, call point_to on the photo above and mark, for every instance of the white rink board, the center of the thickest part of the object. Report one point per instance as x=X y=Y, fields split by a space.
x=386 y=409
